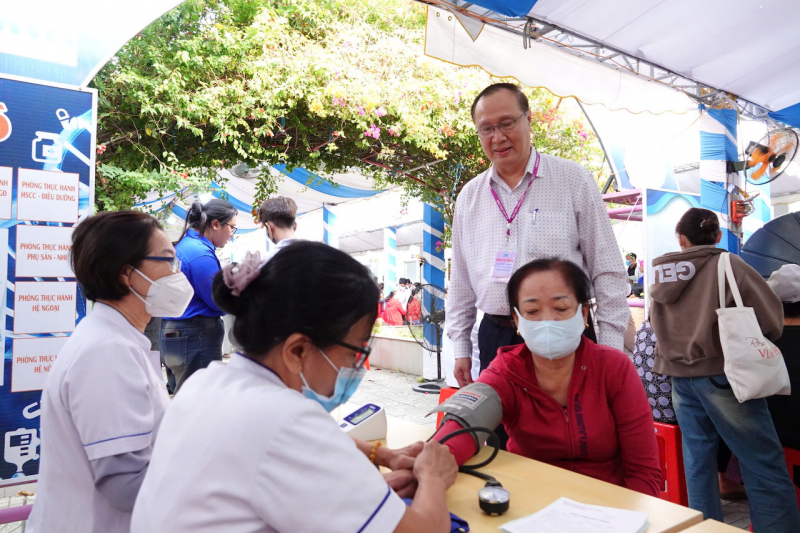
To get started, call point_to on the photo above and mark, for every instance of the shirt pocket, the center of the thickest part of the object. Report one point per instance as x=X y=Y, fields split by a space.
x=550 y=234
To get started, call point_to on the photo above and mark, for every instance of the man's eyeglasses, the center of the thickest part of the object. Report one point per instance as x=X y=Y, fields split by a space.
x=362 y=354
x=175 y=263
x=233 y=228
x=505 y=126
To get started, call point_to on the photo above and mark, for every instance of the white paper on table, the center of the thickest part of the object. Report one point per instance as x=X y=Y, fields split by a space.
x=568 y=516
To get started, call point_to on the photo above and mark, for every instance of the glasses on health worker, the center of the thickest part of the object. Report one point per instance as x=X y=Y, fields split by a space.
x=506 y=126
x=175 y=263
x=362 y=354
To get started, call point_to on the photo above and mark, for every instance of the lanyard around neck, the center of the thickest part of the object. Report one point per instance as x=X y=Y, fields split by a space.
x=514 y=213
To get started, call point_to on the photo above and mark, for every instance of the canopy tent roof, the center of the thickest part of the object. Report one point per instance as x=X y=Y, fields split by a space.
x=68 y=42
x=362 y=241
x=308 y=190
x=750 y=48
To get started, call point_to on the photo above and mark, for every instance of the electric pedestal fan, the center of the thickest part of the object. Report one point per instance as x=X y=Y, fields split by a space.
x=429 y=331
x=767 y=159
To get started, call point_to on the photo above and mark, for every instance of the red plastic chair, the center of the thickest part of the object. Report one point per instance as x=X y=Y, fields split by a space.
x=793 y=464
x=443 y=395
x=670 y=452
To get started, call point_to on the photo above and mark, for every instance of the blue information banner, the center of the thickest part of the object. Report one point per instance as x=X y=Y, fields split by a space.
x=47 y=147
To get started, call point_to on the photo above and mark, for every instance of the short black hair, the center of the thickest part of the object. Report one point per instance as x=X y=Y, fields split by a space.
x=280 y=210
x=307 y=287
x=699 y=225
x=631 y=254
x=572 y=274
x=103 y=245
x=491 y=89
x=200 y=216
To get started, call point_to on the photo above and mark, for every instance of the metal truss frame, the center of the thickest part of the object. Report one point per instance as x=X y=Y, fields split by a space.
x=531 y=29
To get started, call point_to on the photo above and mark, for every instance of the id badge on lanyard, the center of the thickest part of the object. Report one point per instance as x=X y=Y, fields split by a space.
x=503 y=265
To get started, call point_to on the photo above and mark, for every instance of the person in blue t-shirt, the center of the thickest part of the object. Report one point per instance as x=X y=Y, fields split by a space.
x=191 y=341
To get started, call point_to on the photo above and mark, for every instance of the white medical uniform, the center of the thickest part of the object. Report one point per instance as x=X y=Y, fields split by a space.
x=104 y=396
x=403 y=295
x=239 y=452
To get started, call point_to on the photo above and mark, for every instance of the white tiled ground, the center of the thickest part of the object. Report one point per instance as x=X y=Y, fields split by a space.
x=393 y=391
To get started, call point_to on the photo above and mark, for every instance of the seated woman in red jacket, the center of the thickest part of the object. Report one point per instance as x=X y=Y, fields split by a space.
x=563 y=399
x=394 y=313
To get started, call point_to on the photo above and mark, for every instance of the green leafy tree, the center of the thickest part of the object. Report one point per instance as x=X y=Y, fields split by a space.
x=330 y=85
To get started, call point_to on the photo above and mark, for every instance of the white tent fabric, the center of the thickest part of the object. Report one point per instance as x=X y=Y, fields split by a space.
x=500 y=53
x=751 y=49
x=362 y=212
x=68 y=42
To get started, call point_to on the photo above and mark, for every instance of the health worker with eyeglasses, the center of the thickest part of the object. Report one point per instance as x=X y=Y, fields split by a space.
x=104 y=398
x=191 y=341
x=526 y=206
x=251 y=446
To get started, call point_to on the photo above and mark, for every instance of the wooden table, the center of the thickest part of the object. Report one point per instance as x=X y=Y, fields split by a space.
x=534 y=485
x=712 y=526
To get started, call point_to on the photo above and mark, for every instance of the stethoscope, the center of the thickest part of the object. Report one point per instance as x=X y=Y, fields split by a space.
x=493 y=498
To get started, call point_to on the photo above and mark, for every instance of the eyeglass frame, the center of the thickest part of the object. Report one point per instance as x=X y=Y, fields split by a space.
x=175 y=263
x=234 y=228
x=362 y=354
x=508 y=125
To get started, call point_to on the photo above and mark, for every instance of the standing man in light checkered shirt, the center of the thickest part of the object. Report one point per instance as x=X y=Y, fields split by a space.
x=526 y=206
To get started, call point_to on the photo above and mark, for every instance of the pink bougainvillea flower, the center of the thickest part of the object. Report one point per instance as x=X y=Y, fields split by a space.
x=381 y=111
x=373 y=131
x=361 y=111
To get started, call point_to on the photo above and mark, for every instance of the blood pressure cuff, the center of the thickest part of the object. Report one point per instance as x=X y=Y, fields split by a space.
x=476 y=405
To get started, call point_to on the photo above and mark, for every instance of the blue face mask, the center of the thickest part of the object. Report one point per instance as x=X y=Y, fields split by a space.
x=552 y=339
x=347 y=381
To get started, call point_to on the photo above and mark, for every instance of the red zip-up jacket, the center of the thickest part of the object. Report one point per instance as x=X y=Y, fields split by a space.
x=605 y=432
x=394 y=313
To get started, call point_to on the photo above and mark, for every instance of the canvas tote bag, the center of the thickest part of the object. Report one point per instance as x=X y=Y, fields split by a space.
x=753 y=365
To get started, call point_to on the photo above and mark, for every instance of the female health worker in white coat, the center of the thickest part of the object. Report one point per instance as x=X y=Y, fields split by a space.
x=105 y=396
x=250 y=446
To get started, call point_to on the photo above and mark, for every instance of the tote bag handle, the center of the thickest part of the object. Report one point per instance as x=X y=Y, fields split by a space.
x=724 y=270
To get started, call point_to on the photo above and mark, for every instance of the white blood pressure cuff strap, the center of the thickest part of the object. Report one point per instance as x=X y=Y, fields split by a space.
x=476 y=405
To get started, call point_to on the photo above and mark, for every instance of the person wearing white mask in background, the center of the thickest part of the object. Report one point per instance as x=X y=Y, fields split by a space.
x=104 y=398
x=278 y=216
x=250 y=446
x=563 y=399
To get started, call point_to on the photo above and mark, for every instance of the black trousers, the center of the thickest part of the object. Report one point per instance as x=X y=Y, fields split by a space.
x=495 y=333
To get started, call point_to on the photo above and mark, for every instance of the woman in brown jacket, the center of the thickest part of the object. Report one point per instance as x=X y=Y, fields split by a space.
x=683 y=315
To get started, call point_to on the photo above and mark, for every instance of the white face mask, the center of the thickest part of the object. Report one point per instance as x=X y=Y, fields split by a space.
x=552 y=339
x=168 y=296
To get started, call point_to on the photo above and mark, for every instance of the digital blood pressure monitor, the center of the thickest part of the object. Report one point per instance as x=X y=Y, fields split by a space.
x=368 y=422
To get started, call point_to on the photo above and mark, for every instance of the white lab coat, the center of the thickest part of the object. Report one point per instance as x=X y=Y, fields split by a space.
x=239 y=452
x=403 y=294
x=105 y=396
